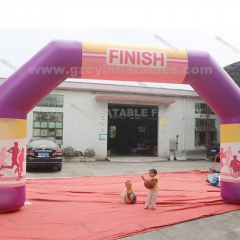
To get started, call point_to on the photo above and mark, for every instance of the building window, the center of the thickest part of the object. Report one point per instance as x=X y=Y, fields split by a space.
x=201 y=128
x=201 y=108
x=141 y=129
x=112 y=131
x=51 y=100
x=48 y=124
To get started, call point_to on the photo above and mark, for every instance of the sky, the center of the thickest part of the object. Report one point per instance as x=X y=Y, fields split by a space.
x=27 y=26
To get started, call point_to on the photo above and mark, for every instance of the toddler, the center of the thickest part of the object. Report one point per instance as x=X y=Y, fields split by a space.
x=153 y=192
x=127 y=194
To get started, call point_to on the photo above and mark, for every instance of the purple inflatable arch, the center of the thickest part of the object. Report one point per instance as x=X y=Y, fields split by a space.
x=60 y=60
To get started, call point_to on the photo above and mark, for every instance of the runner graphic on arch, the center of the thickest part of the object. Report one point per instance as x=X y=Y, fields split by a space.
x=14 y=150
x=3 y=156
x=234 y=167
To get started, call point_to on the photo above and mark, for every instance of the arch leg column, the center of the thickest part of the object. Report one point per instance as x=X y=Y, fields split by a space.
x=230 y=162
x=12 y=164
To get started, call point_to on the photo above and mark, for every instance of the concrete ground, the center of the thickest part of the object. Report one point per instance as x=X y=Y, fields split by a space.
x=219 y=227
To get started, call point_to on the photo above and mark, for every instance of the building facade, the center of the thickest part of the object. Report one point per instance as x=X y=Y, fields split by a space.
x=126 y=120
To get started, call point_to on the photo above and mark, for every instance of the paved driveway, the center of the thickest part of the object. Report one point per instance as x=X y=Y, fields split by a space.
x=106 y=168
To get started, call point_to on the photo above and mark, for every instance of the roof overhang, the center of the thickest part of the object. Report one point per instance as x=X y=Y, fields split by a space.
x=135 y=99
x=233 y=71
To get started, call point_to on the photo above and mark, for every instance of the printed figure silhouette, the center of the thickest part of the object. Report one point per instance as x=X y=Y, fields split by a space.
x=235 y=167
x=3 y=156
x=20 y=162
x=228 y=155
x=14 y=151
x=222 y=155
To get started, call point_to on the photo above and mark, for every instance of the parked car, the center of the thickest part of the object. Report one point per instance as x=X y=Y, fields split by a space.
x=41 y=138
x=44 y=152
x=213 y=150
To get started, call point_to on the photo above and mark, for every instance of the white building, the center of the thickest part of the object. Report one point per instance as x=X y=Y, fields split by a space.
x=119 y=118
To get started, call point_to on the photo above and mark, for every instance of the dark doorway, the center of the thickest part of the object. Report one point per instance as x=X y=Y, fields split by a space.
x=132 y=130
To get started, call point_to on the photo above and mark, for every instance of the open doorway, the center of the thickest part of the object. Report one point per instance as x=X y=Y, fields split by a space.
x=132 y=130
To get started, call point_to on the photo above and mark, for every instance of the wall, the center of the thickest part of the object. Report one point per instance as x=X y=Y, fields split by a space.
x=85 y=118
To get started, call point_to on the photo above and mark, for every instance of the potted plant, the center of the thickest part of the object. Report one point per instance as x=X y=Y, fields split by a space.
x=89 y=152
x=72 y=155
x=68 y=152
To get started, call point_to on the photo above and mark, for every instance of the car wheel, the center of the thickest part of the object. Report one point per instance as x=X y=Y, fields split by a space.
x=59 y=168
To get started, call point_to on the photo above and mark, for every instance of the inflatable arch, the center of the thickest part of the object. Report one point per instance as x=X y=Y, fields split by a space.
x=59 y=60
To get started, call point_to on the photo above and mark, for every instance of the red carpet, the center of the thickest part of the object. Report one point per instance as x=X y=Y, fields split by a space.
x=90 y=208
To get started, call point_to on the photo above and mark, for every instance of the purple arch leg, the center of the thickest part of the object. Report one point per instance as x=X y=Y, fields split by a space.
x=222 y=94
x=19 y=94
